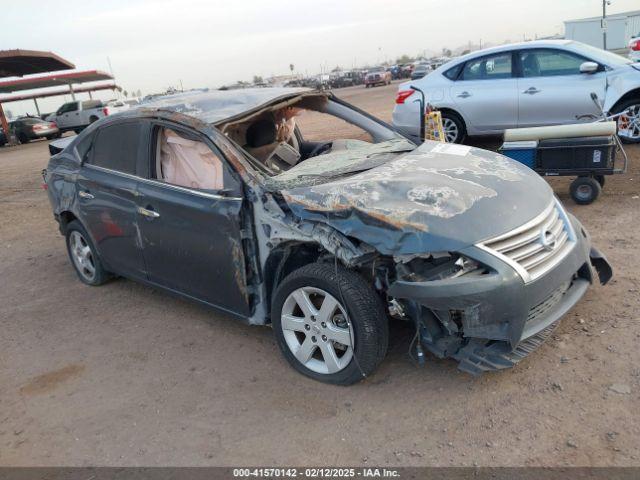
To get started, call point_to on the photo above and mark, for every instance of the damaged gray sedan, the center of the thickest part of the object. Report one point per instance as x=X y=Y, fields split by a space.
x=230 y=199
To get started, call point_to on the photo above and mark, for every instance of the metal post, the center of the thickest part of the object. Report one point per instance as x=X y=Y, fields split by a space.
x=73 y=95
x=35 y=100
x=604 y=24
x=90 y=96
x=4 y=124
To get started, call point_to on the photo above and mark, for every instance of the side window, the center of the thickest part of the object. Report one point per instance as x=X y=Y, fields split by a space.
x=116 y=147
x=549 y=63
x=63 y=109
x=488 y=68
x=70 y=107
x=84 y=146
x=184 y=160
x=453 y=72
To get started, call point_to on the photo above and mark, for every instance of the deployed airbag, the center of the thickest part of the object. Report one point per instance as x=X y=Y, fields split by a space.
x=189 y=163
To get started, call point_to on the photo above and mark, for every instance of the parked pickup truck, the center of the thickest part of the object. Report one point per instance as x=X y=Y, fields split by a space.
x=79 y=114
x=377 y=76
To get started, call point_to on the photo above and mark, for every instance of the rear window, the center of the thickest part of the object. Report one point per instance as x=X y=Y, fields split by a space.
x=28 y=121
x=88 y=104
x=116 y=147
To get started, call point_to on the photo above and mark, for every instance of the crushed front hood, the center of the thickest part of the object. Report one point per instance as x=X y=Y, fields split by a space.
x=439 y=197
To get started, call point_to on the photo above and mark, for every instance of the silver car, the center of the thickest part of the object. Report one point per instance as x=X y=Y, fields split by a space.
x=524 y=85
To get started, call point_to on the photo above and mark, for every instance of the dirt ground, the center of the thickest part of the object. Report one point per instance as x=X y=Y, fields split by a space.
x=126 y=375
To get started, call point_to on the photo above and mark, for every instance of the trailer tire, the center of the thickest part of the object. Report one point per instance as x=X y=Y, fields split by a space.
x=585 y=190
x=600 y=179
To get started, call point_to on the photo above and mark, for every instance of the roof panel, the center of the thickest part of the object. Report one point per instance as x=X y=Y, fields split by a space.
x=16 y=63
x=215 y=106
x=55 y=93
x=53 y=80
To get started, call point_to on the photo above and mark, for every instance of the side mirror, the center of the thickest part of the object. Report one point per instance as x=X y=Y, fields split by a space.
x=589 y=67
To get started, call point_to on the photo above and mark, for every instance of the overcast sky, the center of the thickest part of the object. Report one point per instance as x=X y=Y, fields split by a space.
x=206 y=43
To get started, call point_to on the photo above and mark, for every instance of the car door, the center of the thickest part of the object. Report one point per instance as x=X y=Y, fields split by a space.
x=106 y=190
x=73 y=116
x=485 y=93
x=191 y=228
x=551 y=89
x=60 y=118
x=67 y=115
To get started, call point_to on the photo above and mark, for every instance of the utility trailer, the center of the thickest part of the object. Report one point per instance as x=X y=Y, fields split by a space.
x=587 y=151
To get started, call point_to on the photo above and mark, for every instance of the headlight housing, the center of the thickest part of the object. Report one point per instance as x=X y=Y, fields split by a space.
x=436 y=266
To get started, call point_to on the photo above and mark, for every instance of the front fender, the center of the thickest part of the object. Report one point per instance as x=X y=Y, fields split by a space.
x=619 y=85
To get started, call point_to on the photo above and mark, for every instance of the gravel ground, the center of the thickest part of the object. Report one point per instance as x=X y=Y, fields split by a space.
x=126 y=375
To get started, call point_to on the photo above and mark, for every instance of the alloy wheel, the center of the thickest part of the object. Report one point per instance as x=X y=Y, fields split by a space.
x=629 y=124
x=451 y=131
x=317 y=331
x=82 y=256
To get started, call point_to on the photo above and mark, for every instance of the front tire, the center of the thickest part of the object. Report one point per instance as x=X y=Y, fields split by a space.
x=632 y=133
x=330 y=324
x=84 y=256
x=454 y=127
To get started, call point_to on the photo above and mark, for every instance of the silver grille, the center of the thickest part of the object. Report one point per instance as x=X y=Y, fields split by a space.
x=537 y=246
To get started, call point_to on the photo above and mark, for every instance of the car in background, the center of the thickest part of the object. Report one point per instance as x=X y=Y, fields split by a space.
x=133 y=101
x=77 y=115
x=405 y=70
x=377 y=76
x=634 y=48
x=349 y=78
x=26 y=129
x=544 y=82
x=420 y=71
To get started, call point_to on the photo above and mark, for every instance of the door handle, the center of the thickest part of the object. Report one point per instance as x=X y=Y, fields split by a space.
x=85 y=194
x=148 y=213
x=464 y=95
x=532 y=91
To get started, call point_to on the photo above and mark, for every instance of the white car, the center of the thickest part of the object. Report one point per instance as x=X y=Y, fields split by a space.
x=77 y=115
x=523 y=85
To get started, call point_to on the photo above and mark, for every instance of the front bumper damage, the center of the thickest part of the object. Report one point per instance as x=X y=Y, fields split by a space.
x=492 y=321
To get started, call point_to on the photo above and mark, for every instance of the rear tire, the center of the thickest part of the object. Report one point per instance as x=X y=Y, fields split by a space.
x=585 y=190
x=84 y=256
x=600 y=179
x=455 y=130
x=22 y=138
x=356 y=317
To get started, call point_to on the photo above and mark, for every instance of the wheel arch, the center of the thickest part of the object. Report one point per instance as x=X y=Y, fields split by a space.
x=65 y=218
x=284 y=259
x=457 y=113
x=631 y=94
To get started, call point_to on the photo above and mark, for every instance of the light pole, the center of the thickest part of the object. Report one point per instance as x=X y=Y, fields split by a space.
x=604 y=23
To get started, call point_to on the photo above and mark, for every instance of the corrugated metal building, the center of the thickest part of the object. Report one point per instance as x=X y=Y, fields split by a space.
x=620 y=28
